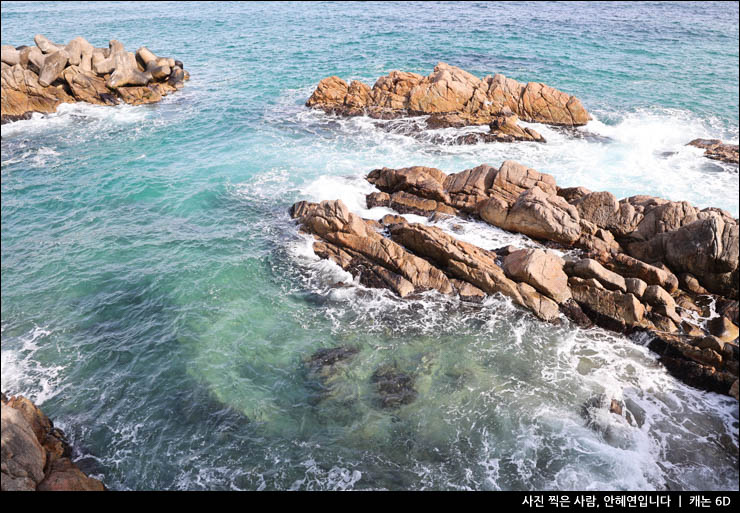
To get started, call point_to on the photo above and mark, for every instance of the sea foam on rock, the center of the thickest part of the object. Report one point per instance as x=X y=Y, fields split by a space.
x=40 y=78
x=623 y=256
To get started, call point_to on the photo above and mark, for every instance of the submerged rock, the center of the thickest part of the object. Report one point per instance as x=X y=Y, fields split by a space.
x=40 y=78
x=393 y=387
x=35 y=454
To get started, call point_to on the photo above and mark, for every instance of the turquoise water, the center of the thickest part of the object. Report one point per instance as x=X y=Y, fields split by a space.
x=158 y=302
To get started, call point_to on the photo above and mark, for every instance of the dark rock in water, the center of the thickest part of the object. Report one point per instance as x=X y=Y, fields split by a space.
x=328 y=357
x=694 y=361
x=322 y=368
x=575 y=133
x=574 y=312
x=394 y=387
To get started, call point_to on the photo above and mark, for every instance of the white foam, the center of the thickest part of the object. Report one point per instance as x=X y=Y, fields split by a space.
x=22 y=373
x=68 y=114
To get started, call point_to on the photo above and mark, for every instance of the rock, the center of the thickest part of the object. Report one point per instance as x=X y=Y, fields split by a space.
x=23 y=458
x=690 y=283
x=665 y=217
x=139 y=95
x=44 y=44
x=394 y=388
x=573 y=194
x=468 y=292
x=99 y=76
x=506 y=129
x=449 y=91
x=467 y=189
x=722 y=328
x=573 y=311
x=692 y=365
x=330 y=93
x=706 y=248
x=65 y=476
x=9 y=55
x=406 y=203
x=636 y=286
x=604 y=211
x=471 y=264
x=657 y=295
x=86 y=86
x=22 y=93
x=630 y=267
x=177 y=76
x=53 y=65
x=425 y=182
x=540 y=269
x=715 y=149
x=734 y=390
x=378 y=199
x=589 y=268
x=444 y=120
x=333 y=222
x=609 y=309
x=35 y=455
x=125 y=70
x=537 y=214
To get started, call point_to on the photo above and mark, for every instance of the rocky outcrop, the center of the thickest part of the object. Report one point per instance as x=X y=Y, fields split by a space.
x=620 y=271
x=452 y=97
x=40 y=78
x=35 y=454
x=717 y=150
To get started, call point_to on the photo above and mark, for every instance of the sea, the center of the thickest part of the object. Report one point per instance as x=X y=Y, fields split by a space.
x=159 y=304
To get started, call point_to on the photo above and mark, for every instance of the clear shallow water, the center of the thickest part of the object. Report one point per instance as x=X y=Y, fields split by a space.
x=158 y=302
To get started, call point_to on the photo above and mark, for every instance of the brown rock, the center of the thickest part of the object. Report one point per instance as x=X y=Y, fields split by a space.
x=722 y=328
x=139 y=95
x=537 y=214
x=450 y=90
x=23 y=458
x=425 y=182
x=636 y=287
x=86 y=86
x=333 y=222
x=589 y=268
x=715 y=149
x=468 y=189
x=505 y=129
x=22 y=93
x=628 y=266
x=65 y=476
x=468 y=292
x=613 y=309
x=540 y=269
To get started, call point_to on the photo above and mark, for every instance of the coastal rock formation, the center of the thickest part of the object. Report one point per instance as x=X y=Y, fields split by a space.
x=40 y=78
x=717 y=150
x=35 y=454
x=452 y=97
x=621 y=272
